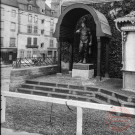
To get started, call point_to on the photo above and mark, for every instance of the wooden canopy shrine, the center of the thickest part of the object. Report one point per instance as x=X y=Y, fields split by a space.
x=67 y=23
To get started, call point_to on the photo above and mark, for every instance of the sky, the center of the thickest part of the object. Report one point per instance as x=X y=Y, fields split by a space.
x=48 y=2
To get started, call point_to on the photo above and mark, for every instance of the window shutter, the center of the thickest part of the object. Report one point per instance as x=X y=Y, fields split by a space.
x=35 y=41
x=28 y=41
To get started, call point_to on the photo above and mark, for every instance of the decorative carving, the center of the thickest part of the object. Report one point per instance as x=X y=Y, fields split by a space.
x=128 y=22
x=132 y=17
x=124 y=36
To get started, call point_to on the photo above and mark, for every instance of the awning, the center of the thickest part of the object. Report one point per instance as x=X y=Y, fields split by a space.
x=69 y=2
x=14 y=50
x=69 y=17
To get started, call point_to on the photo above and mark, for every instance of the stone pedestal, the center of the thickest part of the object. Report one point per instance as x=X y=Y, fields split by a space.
x=129 y=62
x=85 y=71
x=129 y=81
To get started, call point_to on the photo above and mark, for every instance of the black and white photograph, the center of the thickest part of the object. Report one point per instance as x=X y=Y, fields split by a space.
x=67 y=67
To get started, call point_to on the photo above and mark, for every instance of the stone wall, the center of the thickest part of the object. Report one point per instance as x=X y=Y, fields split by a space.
x=18 y=76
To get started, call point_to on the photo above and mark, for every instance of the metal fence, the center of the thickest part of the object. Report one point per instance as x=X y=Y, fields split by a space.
x=34 y=61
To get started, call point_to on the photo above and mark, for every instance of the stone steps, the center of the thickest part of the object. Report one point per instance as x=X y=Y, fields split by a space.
x=73 y=92
x=59 y=95
x=59 y=89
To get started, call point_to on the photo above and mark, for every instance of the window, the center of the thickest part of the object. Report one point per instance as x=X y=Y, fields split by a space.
x=55 y=53
x=36 y=19
x=28 y=54
x=12 y=42
x=51 y=43
x=52 y=12
x=35 y=41
x=13 y=26
x=2 y=11
x=30 y=7
x=42 y=32
x=51 y=32
x=29 y=18
x=42 y=45
x=13 y=13
x=22 y=54
x=1 y=41
x=35 y=29
x=29 y=41
x=1 y=25
x=52 y=22
x=29 y=29
x=43 y=11
x=50 y=53
x=42 y=21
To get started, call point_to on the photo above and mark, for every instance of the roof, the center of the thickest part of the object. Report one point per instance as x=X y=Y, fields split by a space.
x=127 y=21
x=32 y=2
x=73 y=13
x=104 y=22
x=47 y=7
x=10 y=3
x=28 y=2
x=130 y=17
x=69 y=2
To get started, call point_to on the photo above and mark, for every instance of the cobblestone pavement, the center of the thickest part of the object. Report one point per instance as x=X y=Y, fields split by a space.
x=5 y=78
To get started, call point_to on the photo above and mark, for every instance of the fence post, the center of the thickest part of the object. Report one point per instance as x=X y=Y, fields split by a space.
x=3 y=109
x=79 y=120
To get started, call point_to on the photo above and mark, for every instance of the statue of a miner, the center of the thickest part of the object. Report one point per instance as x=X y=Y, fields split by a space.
x=85 y=41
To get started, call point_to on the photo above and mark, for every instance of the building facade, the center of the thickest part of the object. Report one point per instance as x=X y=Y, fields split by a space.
x=47 y=27
x=9 y=30
x=28 y=31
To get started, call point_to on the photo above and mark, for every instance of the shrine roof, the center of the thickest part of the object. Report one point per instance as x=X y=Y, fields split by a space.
x=128 y=18
x=70 y=2
x=74 y=12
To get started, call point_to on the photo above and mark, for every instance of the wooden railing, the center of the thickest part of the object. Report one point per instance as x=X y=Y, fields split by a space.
x=80 y=105
x=34 y=61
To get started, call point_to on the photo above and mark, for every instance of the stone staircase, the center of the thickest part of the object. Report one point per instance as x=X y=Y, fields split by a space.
x=80 y=93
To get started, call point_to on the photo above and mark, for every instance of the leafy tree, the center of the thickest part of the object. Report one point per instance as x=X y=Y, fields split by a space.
x=113 y=10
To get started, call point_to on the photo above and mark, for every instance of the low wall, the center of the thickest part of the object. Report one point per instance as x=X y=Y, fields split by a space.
x=18 y=76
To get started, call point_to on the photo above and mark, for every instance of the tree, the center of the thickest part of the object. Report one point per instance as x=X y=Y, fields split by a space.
x=113 y=10
x=122 y=8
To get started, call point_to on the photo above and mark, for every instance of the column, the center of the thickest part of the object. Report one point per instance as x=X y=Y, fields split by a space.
x=106 y=61
x=71 y=57
x=98 y=58
x=59 y=55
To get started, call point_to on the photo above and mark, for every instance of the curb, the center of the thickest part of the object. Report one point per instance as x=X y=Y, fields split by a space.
x=6 y=131
x=5 y=66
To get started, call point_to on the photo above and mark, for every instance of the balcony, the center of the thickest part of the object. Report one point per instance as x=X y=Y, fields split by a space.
x=31 y=46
